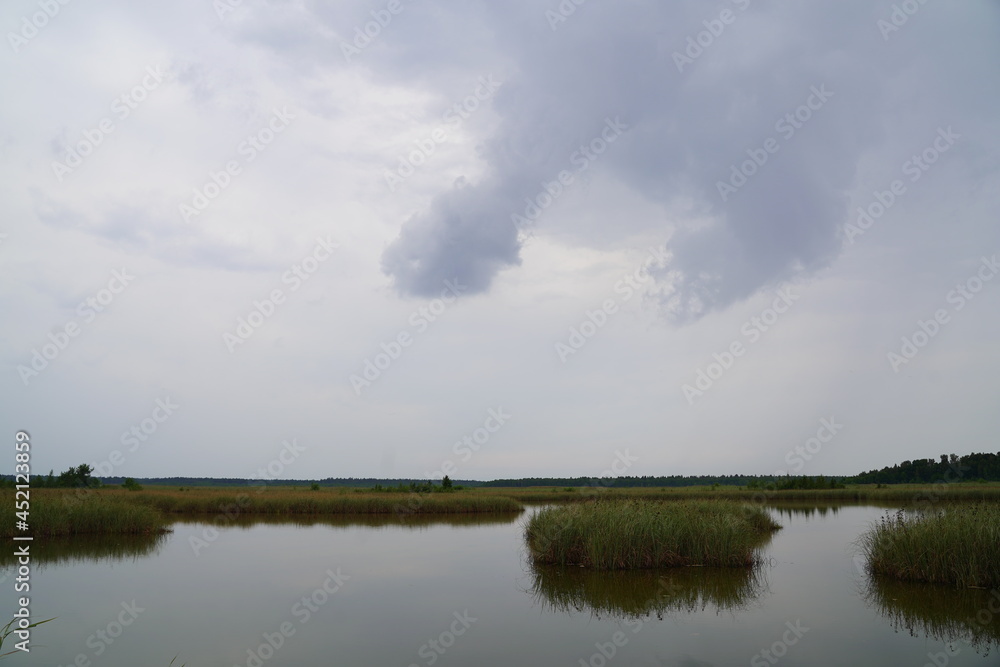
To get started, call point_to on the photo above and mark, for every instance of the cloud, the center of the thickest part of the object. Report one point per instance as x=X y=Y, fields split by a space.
x=801 y=77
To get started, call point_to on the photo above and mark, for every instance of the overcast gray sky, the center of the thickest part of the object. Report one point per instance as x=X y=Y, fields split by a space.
x=390 y=238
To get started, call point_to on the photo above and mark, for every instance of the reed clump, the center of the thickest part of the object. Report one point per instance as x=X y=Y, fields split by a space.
x=958 y=545
x=57 y=513
x=634 y=534
x=291 y=501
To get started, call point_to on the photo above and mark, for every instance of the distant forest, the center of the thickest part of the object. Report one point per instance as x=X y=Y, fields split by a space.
x=949 y=468
x=946 y=468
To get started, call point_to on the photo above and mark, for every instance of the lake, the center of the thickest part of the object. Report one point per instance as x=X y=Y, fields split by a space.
x=459 y=591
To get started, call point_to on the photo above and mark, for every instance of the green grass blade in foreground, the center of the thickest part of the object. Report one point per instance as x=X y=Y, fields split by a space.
x=6 y=631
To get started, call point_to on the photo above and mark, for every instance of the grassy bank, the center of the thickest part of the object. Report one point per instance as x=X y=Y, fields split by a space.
x=630 y=534
x=57 y=513
x=298 y=501
x=957 y=546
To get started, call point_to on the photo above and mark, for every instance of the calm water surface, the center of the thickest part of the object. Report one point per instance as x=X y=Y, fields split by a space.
x=460 y=592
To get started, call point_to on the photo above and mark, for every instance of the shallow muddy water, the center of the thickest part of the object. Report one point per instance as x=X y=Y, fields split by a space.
x=444 y=592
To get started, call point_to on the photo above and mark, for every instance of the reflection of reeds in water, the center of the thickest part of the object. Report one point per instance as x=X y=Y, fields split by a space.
x=805 y=509
x=412 y=521
x=938 y=612
x=641 y=593
x=99 y=548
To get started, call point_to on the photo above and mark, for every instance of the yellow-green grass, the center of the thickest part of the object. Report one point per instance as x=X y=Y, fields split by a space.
x=637 y=534
x=959 y=545
x=59 y=513
x=117 y=511
x=267 y=500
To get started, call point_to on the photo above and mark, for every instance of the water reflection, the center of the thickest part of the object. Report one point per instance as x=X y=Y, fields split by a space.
x=94 y=548
x=635 y=594
x=411 y=521
x=810 y=509
x=938 y=612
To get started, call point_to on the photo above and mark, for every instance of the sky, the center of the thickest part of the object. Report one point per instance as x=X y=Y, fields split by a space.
x=383 y=238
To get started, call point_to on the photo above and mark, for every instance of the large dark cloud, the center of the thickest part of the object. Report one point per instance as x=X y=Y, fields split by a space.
x=686 y=131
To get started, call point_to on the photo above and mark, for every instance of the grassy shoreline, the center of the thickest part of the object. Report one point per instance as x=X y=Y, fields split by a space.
x=59 y=514
x=956 y=546
x=287 y=501
x=73 y=511
x=55 y=512
x=636 y=534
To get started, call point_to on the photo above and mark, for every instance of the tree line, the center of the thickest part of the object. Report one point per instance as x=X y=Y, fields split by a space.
x=947 y=467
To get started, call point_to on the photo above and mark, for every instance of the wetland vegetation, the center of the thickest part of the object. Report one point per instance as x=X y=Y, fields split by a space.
x=636 y=534
x=956 y=545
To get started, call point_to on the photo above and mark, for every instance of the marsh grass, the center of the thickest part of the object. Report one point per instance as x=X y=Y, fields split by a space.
x=958 y=545
x=635 y=534
x=299 y=501
x=58 y=513
x=9 y=629
x=120 y=512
